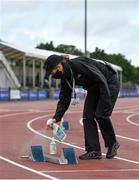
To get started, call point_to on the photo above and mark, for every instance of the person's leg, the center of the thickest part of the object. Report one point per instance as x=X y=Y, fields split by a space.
x=107 y=131
x=92 y=144
x=109 y=137
x=89 y=124
x=106 y=126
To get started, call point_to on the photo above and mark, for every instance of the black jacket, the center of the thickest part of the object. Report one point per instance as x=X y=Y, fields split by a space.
x=93 y=76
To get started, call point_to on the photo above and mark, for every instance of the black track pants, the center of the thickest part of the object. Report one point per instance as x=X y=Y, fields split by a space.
x=90 y=125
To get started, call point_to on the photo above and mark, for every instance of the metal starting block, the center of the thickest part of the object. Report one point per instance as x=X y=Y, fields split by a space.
x=67 y=156
x=56 y=160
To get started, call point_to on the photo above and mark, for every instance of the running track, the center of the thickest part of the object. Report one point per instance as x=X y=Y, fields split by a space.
x=22 y=124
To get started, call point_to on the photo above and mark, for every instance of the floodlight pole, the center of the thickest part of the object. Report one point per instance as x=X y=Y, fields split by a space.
x=85 y=27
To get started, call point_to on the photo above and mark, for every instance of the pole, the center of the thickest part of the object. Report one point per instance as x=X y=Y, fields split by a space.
x=42 y=74
x=85 y=27
x=24 y=71
x=33 y=73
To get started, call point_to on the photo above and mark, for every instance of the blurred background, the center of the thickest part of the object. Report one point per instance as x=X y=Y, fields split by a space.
x=31 y=30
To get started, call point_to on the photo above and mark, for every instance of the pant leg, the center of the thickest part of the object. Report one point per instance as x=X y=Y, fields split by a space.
x=105 y=124
x=107 y=131
x=89 y=123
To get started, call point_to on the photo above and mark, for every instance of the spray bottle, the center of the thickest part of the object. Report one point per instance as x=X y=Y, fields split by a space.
x=59 y=132
x=53 y=148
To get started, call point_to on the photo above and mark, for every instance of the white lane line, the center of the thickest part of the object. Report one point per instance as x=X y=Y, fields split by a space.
x=126 y=111
x=5 y=110
x=127 y=107
x=20 y=112
x=91 y=170
x=32 y=111
x=116 y=110
x=13 y=114
x=127 y=138
x=27 y=168
x=123 y=137
x=78 y=147
x=27 y=112
x=123 y=111
x=45 y=136
x=12 y=110
x=130 y=116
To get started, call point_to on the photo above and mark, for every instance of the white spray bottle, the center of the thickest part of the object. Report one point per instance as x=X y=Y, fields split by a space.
x=53 y=148
x=59 y=132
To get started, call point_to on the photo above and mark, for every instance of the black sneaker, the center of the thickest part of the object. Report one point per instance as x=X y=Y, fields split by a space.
x=91 y=155
x=112 y=150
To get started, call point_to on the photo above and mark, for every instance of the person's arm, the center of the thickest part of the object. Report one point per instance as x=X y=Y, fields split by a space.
x=64 y=101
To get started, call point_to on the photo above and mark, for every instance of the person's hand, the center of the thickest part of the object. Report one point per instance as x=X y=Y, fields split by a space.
x=50 y=122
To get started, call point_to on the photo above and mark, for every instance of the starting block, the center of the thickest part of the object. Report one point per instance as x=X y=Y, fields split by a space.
x=37 y=154
x=56 y=160
x=67 y=156
x=64 y=124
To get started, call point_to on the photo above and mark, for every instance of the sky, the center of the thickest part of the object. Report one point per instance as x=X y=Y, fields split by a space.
x=112 y=25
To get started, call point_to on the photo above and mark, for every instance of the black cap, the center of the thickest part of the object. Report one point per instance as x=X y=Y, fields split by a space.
x=51 y=63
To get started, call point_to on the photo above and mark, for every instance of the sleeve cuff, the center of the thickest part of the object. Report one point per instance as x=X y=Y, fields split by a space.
x=57 y=119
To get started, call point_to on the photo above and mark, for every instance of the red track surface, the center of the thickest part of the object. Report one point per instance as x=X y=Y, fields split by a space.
x=17 y=137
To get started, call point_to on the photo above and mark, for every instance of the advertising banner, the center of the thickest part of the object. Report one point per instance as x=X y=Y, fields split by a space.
x=4 y=94
x=42 y=94
x=56 y=94
x=33 y=94
x=24 y=93
x=15 y=94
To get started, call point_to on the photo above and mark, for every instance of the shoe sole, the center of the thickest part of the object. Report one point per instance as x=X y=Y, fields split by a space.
x=94 y=158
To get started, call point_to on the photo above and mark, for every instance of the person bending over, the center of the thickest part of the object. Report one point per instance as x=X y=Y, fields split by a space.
x=100 y=81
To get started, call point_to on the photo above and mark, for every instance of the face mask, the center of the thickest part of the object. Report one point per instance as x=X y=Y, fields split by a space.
x=58 y=75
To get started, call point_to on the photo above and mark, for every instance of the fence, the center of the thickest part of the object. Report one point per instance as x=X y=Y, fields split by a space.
x=23 y=94
x=129 y=93
x=29 y=94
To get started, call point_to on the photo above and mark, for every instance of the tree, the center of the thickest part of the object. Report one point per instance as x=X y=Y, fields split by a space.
x=118 y=59
x=69 y=49
x=128 y=68
x=47 y=46
x=136 y=75
x=130 y=73
x=99 y=54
